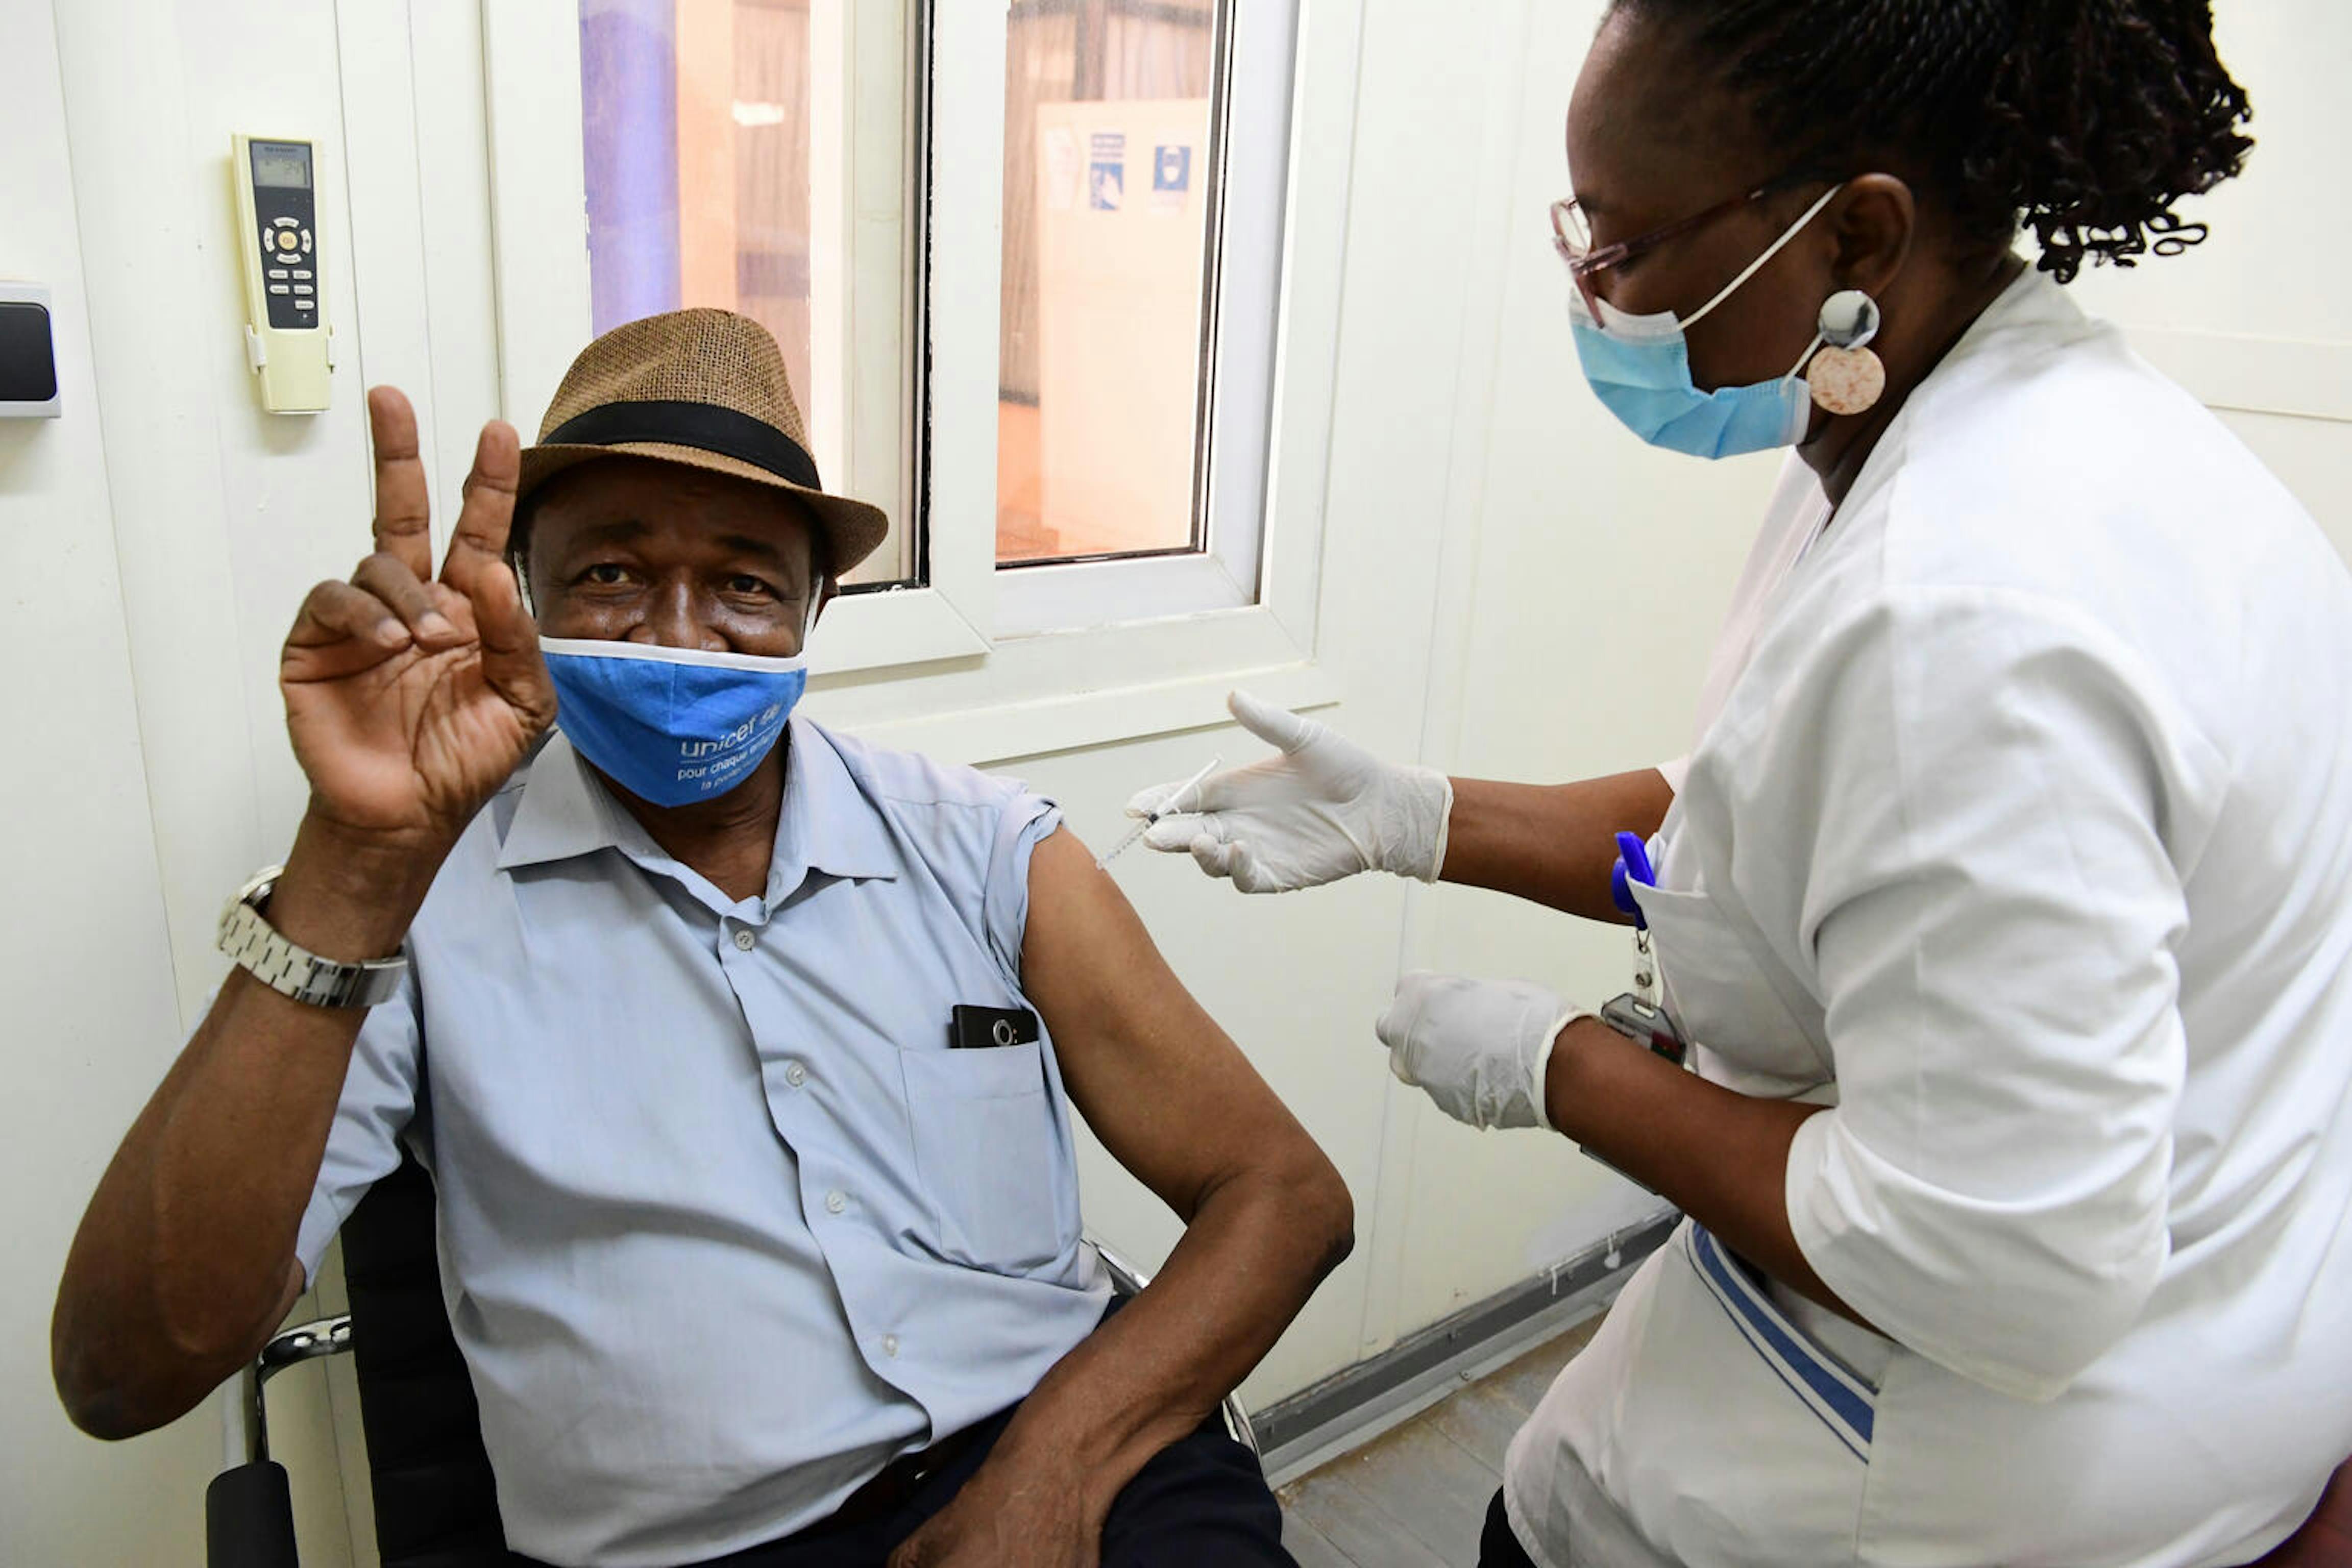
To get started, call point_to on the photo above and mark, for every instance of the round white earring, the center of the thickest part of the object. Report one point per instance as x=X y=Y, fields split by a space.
x=1844 y=377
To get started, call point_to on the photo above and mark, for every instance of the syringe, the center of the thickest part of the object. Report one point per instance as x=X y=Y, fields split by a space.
x=1152 y=817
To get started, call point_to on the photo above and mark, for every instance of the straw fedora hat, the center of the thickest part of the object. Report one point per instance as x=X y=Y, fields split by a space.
x=703 y=388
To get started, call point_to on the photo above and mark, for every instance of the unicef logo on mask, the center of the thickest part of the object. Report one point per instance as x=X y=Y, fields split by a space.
x=671 y=725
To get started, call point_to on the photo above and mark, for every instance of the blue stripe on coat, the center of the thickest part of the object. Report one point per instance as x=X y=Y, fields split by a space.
x=1739 y=1293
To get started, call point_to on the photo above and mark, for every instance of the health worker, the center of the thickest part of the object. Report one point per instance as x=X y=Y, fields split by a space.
x=2006 y=899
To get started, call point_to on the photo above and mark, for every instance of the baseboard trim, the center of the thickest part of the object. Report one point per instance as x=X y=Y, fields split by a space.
x=1358 y=1403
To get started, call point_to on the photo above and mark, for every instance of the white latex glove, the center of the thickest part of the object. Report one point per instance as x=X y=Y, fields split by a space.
x=1323 y=809
x=1478 y=1047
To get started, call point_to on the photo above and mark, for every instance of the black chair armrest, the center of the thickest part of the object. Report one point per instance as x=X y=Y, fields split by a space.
x=250 y=1507
x=249 y=1518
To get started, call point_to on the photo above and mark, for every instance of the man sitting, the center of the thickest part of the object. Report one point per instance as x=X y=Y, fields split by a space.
x=738 y=1051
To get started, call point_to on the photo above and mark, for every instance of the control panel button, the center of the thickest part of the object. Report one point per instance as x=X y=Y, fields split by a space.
x=284 y=222
x=300 y=272
x=285 y=242
x=278 y=288
x=304 y=305
x=306 y=241
x=281 y=272
x=304 y=289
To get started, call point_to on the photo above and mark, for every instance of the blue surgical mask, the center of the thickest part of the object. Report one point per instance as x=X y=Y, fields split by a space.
x=670 y=725
x=1639 y=366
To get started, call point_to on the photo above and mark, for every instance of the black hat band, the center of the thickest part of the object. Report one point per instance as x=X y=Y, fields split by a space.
x=706 y=426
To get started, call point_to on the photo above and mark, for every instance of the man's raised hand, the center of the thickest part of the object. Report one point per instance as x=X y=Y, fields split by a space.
x=410 y=699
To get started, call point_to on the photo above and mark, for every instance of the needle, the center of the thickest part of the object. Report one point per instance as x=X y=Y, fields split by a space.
x=1151 y=817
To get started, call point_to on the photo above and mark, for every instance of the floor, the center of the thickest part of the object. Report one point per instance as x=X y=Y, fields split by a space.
x=1417 y=1496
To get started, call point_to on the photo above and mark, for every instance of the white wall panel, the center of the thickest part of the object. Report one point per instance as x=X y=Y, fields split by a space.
x=2267 y=270
x=85 y=964
x=1598 y=572
x=224 y=514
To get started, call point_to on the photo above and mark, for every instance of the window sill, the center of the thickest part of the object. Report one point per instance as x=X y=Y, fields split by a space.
x=1072 y=719
x=898 y=627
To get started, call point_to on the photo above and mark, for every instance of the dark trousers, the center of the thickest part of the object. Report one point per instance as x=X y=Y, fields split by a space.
x=1201 y=1500
x=1497 y=1547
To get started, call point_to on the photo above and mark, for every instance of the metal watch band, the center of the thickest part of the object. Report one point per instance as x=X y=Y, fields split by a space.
x=255 y=946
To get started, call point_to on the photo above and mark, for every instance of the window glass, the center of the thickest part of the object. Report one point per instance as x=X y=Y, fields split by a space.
x=697 y=140
x=1109 y=180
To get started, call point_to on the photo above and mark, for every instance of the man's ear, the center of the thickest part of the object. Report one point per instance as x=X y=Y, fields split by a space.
x=1876 y=219
x=518 y=562
x=827 y=592
x=519 y=532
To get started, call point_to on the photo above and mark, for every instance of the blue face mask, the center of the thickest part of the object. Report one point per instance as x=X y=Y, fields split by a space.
x=1639 y=366
x=670 y=725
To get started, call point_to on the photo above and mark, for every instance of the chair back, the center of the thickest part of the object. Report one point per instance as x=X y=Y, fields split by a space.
x=436 y=1504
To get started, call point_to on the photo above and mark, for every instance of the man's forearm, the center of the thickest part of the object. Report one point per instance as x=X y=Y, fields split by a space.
x=1553 y=844
x=183 y=1263
x=1720 y=1157
x=1255 y=1250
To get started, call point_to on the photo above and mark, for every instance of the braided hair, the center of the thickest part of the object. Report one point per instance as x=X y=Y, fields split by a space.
x=2086 y=119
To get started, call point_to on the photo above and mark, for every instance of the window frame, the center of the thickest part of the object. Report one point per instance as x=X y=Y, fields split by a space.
x=1241 y=295
x=980 y=664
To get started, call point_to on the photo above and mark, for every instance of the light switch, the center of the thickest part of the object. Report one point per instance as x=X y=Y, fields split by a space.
x=29 y=354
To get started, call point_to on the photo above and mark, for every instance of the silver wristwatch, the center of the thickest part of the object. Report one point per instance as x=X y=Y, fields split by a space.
x=295 y=971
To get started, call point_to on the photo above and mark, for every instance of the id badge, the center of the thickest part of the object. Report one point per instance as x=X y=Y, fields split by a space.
x=1644 y=1021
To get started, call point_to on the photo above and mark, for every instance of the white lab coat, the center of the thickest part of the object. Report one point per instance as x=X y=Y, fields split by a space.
x=2023 y=835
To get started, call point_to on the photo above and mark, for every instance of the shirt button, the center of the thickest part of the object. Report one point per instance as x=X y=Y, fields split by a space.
x=835 y=1201
x=745 y=942
x=890 y=1346
x=796 y=1075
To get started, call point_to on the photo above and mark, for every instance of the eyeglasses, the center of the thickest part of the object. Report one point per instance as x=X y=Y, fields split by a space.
x=1571 y=232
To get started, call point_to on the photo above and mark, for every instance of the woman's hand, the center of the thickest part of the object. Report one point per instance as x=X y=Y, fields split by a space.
x=1325 y=808
x=1480 y=1048
x=410 y=700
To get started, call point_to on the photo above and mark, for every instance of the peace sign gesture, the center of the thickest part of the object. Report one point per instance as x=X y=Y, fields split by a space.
x=411 y=700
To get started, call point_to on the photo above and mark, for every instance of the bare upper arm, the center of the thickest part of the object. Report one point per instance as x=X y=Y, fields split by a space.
x=1168 y=1092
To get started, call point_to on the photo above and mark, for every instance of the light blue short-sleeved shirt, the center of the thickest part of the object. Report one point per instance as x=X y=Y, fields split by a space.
x=725 y=1225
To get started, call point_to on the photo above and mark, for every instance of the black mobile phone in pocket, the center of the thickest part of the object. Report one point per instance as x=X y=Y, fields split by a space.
x=974 y=1029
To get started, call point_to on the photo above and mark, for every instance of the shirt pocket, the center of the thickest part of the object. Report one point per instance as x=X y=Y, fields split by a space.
x=989 y=1150
x=1721 y=996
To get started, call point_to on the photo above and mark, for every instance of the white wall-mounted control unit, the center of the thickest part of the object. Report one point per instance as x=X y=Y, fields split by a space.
x=28 y=354
x=288 y=340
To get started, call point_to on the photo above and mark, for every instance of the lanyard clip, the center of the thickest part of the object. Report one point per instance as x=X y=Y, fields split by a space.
x=1633 y=866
